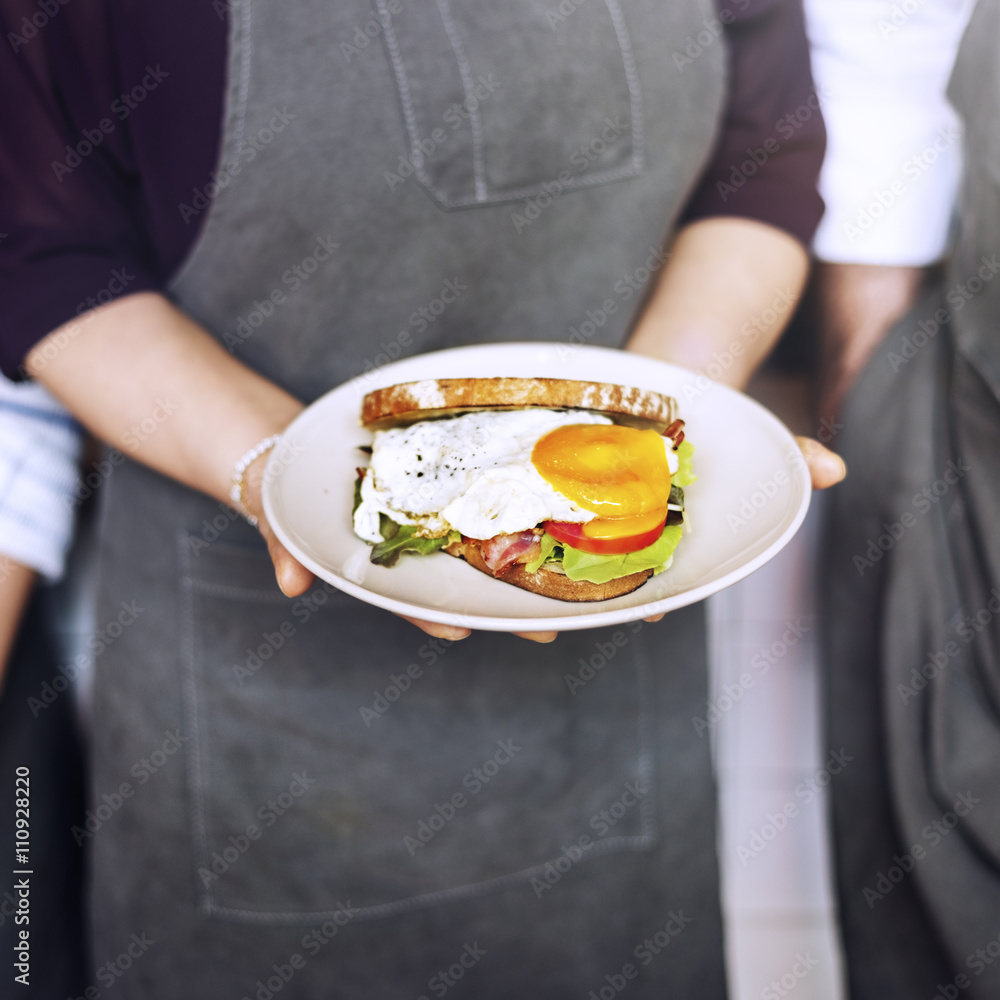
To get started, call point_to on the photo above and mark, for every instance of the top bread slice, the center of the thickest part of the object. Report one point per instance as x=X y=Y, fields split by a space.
x=408 y=402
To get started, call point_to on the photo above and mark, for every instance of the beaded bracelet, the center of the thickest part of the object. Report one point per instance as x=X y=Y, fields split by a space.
x=239 y=484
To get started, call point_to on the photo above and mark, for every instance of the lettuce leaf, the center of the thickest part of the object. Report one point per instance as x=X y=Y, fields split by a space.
x=551 y=551
x=684 y=476
x=602 y=568
x=357 y=495
x=400 y=538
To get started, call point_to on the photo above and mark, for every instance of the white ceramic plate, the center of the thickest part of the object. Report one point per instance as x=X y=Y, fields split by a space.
x=751 y=496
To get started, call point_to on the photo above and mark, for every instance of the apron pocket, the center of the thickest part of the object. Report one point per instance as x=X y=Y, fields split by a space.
x=342 y=759
x=504 y=101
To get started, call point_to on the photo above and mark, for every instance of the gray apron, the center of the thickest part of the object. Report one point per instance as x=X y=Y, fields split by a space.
x=913 y=644
x=321 y=800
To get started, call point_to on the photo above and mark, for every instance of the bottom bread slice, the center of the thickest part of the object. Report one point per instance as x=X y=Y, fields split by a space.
x=549 y=583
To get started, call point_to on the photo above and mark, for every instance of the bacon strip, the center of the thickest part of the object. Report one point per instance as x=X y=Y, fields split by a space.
x=675 y=432
x=501 y=551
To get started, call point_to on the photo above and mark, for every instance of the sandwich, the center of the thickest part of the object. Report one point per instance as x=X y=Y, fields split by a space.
x=570 y=489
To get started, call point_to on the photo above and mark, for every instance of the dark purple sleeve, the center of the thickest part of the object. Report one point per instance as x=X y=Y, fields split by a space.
x=772 y=140
x=111 y=111
x=111 y=121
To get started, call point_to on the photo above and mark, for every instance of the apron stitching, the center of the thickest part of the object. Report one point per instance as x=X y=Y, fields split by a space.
x=190 y=691
x=590 y=180
x=242 y=31
x=469 y=891
x=406 y=96
x=632 y=79
x=471 y=104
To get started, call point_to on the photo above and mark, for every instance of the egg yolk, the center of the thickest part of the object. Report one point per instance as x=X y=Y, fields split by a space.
x=618 y=473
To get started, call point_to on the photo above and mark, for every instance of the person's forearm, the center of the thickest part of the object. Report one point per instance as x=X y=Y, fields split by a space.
x=726 y=292
x=857 y=305
x=16 y=581
x=148 y=380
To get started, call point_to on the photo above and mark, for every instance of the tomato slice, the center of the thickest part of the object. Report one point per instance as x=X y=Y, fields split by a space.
x=573 y=534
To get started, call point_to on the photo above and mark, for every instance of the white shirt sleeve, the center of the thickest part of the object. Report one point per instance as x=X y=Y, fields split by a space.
x=39 y=454
x=893 y=160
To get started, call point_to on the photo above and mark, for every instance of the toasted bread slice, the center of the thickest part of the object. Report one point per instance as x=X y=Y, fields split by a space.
x=550 y=583
x=408 y=402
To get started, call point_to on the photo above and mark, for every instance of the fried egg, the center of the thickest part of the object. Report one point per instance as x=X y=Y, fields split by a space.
x=502 y=471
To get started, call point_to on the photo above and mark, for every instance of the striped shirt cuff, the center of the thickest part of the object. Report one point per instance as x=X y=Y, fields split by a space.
x=39 y=467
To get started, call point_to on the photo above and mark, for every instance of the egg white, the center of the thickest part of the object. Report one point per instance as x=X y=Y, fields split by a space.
x=471 y=473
